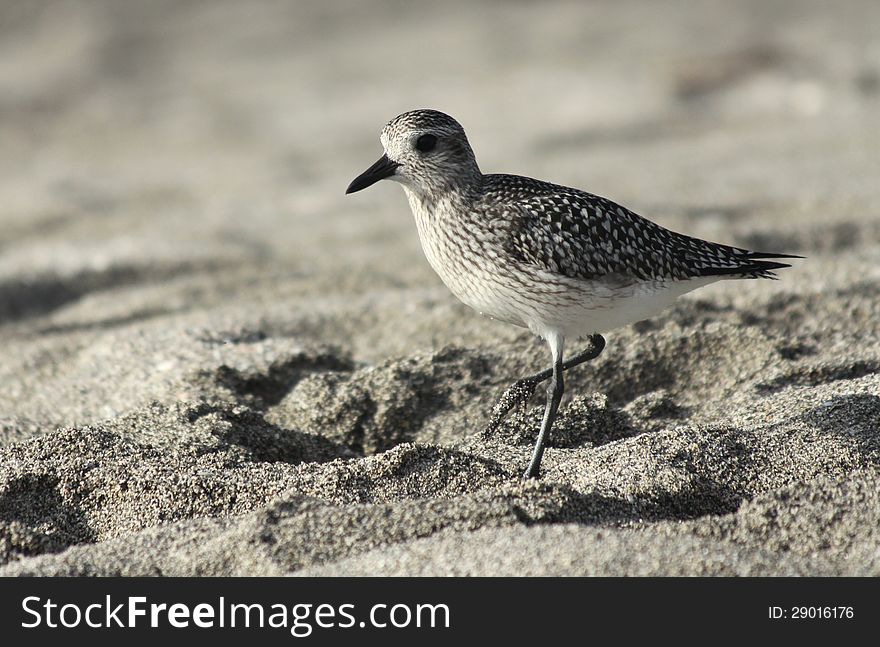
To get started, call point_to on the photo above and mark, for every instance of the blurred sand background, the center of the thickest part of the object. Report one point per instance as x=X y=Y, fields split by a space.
x=213 y=362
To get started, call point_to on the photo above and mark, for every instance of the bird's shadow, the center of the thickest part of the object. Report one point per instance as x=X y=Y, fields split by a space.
x=703 y=496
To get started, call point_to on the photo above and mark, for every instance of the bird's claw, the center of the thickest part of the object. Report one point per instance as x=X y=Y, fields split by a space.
x=516 y=394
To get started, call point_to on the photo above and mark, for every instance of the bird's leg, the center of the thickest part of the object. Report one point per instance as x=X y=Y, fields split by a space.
x=554 y=396
x=521 y=390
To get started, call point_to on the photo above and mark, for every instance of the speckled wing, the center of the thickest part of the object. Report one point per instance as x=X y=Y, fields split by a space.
x=580 y=235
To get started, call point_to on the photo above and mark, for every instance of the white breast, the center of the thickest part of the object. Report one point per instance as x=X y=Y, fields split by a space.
x=464 y=262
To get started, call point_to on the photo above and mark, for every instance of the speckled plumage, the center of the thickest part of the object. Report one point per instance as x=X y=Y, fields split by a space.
x=585 y=236
x=563 y=262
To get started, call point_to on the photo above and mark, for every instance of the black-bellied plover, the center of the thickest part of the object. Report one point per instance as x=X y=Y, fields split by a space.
x=564 y=263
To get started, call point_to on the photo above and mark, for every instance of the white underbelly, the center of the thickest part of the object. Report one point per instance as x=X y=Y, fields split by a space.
x=598 y=307
x=553 y=304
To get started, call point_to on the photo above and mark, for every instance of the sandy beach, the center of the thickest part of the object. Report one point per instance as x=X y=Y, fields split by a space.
x=213 y=362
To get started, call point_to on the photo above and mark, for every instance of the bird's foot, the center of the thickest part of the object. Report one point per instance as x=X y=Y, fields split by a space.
x=516 y=394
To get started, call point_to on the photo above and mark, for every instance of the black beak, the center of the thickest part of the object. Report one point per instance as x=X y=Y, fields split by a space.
x=378 y=171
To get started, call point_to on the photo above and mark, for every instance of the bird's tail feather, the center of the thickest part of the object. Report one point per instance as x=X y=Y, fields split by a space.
x=753 y=265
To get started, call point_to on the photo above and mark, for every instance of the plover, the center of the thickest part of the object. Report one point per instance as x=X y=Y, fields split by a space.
x=564 y=263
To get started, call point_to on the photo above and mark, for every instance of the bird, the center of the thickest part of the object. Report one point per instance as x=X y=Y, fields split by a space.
x=562 y=262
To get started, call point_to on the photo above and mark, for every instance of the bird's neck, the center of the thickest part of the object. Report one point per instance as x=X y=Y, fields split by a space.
x=436 y=208
x=460 y=195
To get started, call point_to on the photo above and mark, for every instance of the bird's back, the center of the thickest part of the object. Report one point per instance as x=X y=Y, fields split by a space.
x=583 y=236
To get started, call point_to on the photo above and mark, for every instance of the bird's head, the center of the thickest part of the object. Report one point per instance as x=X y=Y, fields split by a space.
x=426 y=151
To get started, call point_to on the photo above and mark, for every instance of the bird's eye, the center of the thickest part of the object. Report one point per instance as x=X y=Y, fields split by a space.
x=426 y=143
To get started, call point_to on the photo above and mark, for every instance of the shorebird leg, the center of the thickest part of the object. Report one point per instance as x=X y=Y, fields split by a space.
x=520 y=391
x=554 y=396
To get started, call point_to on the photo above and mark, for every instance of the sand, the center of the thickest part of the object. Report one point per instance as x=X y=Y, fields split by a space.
x=212 y=362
